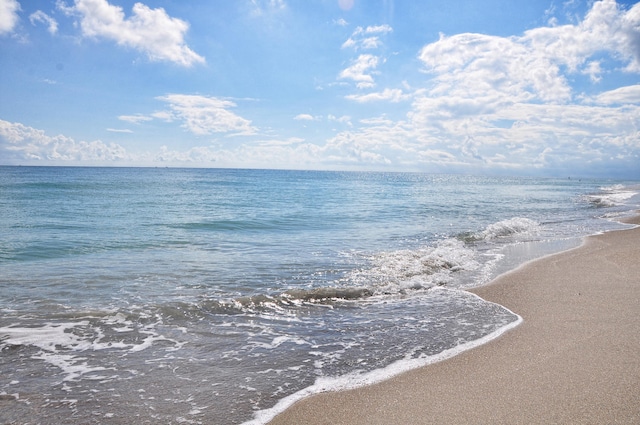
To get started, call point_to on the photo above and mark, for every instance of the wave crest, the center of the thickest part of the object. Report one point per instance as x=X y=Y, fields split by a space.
x=396 y=272
x=503 y=229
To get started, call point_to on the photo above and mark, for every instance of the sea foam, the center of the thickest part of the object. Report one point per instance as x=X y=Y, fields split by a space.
x=359 y=379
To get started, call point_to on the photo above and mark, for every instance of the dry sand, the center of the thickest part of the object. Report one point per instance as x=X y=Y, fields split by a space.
x=574 y=360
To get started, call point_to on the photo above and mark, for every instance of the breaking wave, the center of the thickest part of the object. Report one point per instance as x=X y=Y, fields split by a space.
x=611 y=196
x=513 y=227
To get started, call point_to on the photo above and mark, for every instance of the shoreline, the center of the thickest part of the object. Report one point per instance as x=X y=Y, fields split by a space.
x=573 y=359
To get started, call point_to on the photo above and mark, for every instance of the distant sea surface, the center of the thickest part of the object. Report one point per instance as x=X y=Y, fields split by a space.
x=208 y=296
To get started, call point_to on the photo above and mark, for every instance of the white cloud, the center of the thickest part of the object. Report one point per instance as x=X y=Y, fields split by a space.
x=341 y=22
x=360 y=71
x=134 y=119
x=370 y=43
x=594 y=71
x=532 y=67
x=304 y=117
x=344 y=119
x=204 y=115
x=362 y=39
x=362 y=68
x=606 y=28
x=349 y=43
x=484 y=103
x=391 y=95
x=622 y=95
x=151 y=31
x=119 y=130
x=8 y=15
x=22 y=143
x=40 y=16
x=481 y=66
x=508 y=102
x=378 y=29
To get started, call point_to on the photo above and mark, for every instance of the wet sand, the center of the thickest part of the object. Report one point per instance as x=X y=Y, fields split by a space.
x=574 y=360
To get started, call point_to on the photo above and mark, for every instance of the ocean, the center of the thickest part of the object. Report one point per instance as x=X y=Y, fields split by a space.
x=221 y=296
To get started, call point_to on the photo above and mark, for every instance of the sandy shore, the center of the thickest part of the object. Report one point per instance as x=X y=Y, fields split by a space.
x=574 y=360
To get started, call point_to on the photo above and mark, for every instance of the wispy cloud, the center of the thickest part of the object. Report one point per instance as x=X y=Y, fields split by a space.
x=261 y=7
x=620 y=96
x=135 y=119
x=41 y=17
x=341 y=22
x=151 y=31
x=391 y=95
x=367 y=38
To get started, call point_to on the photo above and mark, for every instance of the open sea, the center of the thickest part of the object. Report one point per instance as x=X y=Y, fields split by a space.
x=218 y=296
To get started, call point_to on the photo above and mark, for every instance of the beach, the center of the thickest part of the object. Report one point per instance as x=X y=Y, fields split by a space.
x=574 y=358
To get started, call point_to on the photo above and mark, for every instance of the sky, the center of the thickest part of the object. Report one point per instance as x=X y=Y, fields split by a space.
x=500 y=87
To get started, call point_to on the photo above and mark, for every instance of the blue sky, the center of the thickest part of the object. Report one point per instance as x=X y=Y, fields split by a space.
x=465 y=86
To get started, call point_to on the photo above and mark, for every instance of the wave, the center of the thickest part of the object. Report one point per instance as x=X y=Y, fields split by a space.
x=517 y=226
x=612 y=196
x=396 y=272
x=388 y=273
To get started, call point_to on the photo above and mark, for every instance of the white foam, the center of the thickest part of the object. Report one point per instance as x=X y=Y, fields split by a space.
x=397 y=271
x=610 y=199
x=46 y=337
x=510 y=227
x=73 y=367
x=612 y=196
x=357 y=380
x=59 y=343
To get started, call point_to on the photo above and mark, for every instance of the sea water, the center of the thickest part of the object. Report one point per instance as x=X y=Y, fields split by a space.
x=142 y=295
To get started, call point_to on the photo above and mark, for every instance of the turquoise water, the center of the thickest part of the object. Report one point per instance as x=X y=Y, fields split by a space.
x=205 y=295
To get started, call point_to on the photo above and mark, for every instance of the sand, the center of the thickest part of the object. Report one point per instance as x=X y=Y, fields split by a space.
x=575 y=359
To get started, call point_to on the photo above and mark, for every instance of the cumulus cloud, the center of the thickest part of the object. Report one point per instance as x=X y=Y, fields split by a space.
x=478 y=66
x=509 y=102
x=606 y=28
x=304 y=117
x=532 y=67
x=20 y=143
x=41 y=17
x=204 y=115
x=8 y=15
x=360 y=71
x=151 y=31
